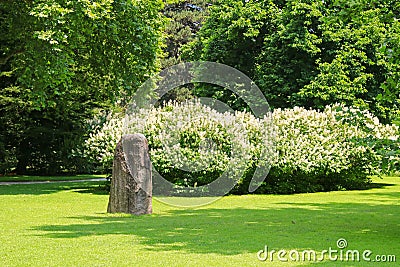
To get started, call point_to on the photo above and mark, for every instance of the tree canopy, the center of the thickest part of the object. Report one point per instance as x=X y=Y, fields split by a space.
x=62 y=59
x=309 y=53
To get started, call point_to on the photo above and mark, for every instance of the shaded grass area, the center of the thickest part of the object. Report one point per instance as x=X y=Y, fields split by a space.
x=92 y=187
x=30 y=178
x=66 y=225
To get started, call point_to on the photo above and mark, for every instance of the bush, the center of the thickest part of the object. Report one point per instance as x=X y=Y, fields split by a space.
x=97 y=151
x=315 y=151
x=8 y=160
x=192 y=144
x=322 y=151
x=382 y=138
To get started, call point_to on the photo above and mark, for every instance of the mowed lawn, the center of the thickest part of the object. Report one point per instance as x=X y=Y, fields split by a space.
x=66 y=224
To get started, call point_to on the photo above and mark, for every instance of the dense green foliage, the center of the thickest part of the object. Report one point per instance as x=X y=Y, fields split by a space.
x=232 y=34
x=308 y=53
x=59 y=61
x=315 y=151
x=184 y=20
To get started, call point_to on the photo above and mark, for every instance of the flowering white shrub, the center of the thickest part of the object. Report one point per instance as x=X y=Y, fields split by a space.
x=191 y=145
x=382 y=138
x=98 y=149
x=308 y=140
x=324 y=150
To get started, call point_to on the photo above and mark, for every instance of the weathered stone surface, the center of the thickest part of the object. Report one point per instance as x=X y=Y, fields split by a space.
x=131 y=184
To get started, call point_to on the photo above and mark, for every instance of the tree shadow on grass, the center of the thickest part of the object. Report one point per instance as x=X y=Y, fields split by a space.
x=378 y=185
x=241 y=230
x=101 y=188
x=395 y=195
x=93 y=187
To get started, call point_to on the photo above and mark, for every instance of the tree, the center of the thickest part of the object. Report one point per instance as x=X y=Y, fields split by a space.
x=184 y=20
x=309 y=53
x=390 y=97
x=60 y=60
x=233 y=35
x=327 y=52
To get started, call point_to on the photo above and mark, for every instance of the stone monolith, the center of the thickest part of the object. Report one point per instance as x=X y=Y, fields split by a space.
x=131 y=184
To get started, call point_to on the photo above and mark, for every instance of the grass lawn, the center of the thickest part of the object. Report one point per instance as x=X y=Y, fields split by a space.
x=65 y=224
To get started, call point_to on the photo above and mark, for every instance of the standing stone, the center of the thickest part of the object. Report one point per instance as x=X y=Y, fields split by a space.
x=131 y=185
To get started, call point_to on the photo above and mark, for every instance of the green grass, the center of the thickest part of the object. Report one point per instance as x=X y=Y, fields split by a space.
x=27 y=178
x=66 y=225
